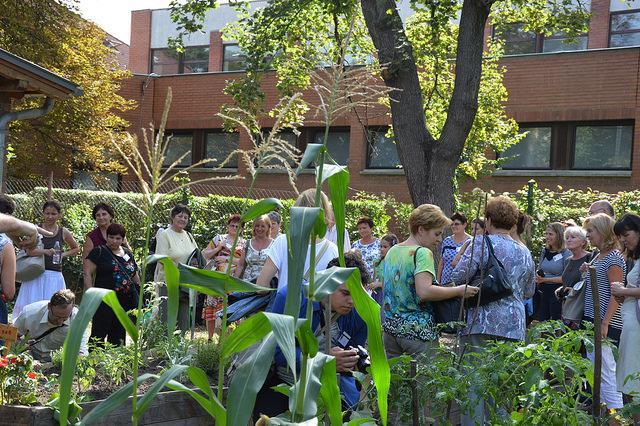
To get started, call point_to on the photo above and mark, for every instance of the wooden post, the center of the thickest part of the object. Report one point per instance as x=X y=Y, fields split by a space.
x=597 y=368
x=414 y=393
x=9 y=334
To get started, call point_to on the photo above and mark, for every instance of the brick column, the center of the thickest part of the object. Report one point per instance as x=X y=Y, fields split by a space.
x=215 y=51
x=139 y=50
x=599 y=25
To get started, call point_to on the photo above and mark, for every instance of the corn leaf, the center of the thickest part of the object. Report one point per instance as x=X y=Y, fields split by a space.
x=114 y=401
x=248 y=380
x=90 y=302
x=261 y=207
x=160 y=383
x=301 y=223
x=312 y=387
x=369 y=311
x=330 y=392
x=338 y=181
x=215 y=283
x=310 y=155
x=329 y=280
x=172 y=277
x=211 y=404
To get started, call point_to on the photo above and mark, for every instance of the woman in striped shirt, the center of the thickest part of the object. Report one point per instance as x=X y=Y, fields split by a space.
x=610 y=267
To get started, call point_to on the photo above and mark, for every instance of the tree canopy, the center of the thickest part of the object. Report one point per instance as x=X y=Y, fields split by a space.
x=447 y=107
x=76 y=133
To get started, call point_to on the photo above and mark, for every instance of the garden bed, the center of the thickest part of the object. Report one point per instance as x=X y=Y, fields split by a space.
x=168 y=408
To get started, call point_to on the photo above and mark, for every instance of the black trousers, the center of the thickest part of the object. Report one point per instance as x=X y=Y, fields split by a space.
x=546 y=305
x=105 y=324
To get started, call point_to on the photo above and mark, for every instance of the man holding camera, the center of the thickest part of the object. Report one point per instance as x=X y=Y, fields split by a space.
x=348 y=336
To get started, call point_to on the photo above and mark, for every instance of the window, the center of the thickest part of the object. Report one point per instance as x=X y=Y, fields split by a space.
x=625 y=28
x=219 y=145
x=600 y=145
x=382 y=152
x=603 y=147
x=337 y=145
x=559 y=42
x=517 y=41
x=288 y=137
x=178 y=145
x=233 y=58
x=532 y=152
x=168 y=61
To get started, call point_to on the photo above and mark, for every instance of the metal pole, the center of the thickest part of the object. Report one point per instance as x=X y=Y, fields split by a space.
x=597 y=368
x=530 y=186
x=414 y=393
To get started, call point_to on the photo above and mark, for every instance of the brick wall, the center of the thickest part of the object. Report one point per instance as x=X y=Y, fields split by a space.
x=140 y=41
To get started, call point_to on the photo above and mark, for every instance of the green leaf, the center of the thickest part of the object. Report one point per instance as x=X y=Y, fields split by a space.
x=310 y=154
x=211 y=404
x=283 y=327
x=90 y=302
x=338 y=181
x=111 y=300
x=215 y=283
x=320 y=228
x=369 y=311
x=172 y=280
x=248 y=380
x=362 y=421
x=246 y=334
x=330 y=392
x=302 y=221
x=261 y=207
x=160 y=383
x=532 y=378
x=114 y=401
x=306 y=339
x=312 y=387
x=329 y=280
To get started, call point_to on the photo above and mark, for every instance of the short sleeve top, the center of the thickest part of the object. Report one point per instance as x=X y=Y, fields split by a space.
x=614 y=258
x=449 y=251
x=406 y=315
x=370 y=254
x=114 y=272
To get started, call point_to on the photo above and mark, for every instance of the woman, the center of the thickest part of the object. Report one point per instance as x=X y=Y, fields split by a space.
x=452 y=246
x=553 y=260
x=178 y=244
x=218 y=253
x=368 y=244
x=113 y=267
x=503 y=319
x=376 y=287
x=255 y=250
x=477 y=226
x=610 y=267
x=276 y=222
x=332 y=233
x=628 y=231
x=409 y=278
x=277 y=263
x=103 y=214
x=43 y=286
x=573 y=305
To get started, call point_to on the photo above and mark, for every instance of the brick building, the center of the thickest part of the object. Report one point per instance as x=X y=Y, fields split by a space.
x=578 y=100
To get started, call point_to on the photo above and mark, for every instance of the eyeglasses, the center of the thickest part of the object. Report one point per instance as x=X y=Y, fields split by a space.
x=232 y=225
x=58 y=317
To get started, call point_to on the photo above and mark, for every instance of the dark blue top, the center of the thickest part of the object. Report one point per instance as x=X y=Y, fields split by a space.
x=351 y=324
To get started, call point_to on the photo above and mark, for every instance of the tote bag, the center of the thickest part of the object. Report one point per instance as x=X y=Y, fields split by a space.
x=29 y=267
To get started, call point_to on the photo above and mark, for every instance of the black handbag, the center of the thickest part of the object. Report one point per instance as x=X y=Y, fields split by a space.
x=444 y=311
x=492 y=280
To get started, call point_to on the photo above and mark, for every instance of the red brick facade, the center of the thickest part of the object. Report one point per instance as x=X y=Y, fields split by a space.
x=579 y=86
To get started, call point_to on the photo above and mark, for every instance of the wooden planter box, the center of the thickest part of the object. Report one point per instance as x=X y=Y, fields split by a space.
x=168 y=408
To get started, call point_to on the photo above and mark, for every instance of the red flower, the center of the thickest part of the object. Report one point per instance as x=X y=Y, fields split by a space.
x=3 y=362
x=31 y=375
x=13 y=360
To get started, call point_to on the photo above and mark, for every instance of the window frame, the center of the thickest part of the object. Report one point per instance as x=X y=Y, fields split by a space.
x=539 y=42
x=602 y=123
x=203 y=147
x=369 y=147
x=224 y=62
x=181 y=60
x=612 y=33
x=553 y=155
x=183 y=132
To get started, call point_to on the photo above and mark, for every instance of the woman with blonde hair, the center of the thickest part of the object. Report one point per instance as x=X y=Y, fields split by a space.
x=255 y=249
x=553 y=261
x=610 y=267
x=410 y=286
x=277 y=263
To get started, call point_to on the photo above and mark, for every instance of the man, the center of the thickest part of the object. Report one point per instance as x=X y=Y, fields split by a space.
x=348 y=331
x=46 y=323
x=602 y=206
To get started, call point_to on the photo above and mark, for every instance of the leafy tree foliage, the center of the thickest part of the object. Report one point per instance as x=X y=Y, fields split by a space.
x=447 y=107
x=76 y=133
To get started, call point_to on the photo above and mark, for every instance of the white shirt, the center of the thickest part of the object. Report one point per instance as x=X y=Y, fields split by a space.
x=332 y=235
x=277 y=252
x=34 y=321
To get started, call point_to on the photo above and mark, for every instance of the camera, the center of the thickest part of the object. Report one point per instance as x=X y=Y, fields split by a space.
x=540 y=273
x=363 y=358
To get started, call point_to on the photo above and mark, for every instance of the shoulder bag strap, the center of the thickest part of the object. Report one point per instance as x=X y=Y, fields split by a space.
x=124 y=269
x=45 y=334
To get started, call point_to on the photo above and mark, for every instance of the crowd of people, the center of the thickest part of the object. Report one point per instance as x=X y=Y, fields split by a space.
x=410 y=279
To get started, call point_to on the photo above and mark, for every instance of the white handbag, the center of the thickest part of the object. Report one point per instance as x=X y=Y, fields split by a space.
x=29 y=267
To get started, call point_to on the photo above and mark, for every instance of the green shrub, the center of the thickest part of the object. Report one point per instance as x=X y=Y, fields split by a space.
x=207 y=356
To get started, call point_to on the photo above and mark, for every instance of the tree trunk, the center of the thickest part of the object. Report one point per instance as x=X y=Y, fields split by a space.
x=429 y=165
